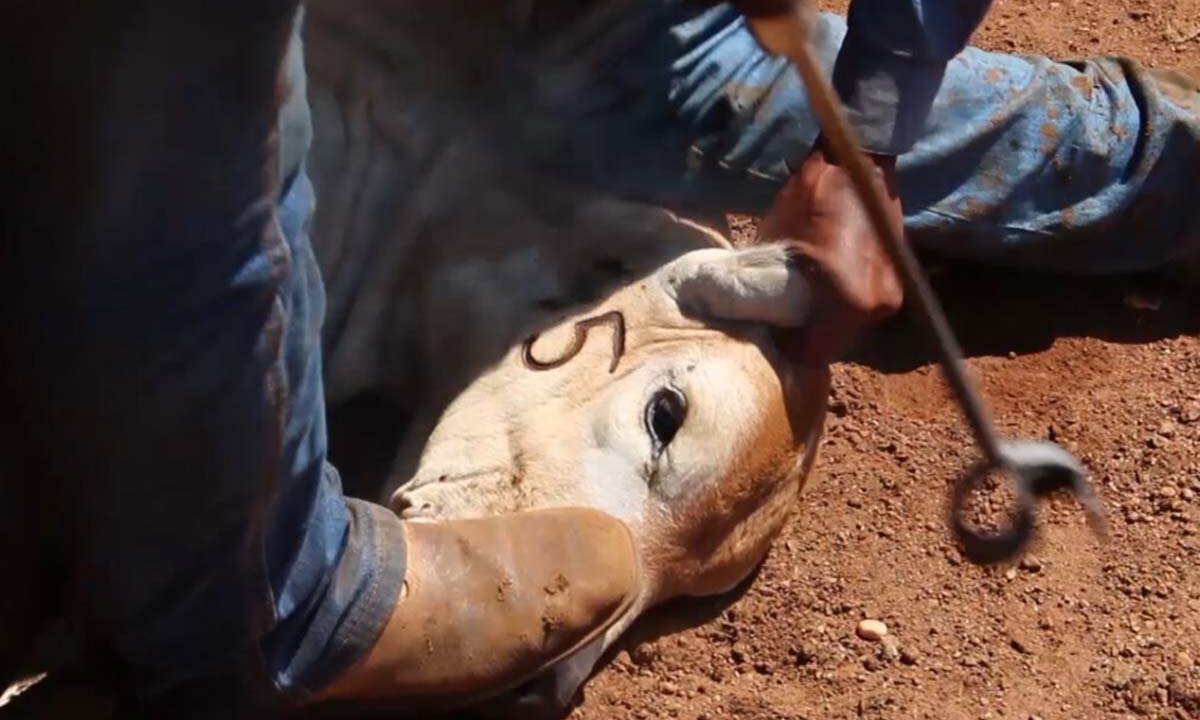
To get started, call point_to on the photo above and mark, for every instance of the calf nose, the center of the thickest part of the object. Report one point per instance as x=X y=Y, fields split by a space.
x=401 y=503
x=408 y=507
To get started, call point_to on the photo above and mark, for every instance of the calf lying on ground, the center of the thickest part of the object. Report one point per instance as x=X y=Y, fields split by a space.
x=690 y=431
x=611 y=355
x=558 y=348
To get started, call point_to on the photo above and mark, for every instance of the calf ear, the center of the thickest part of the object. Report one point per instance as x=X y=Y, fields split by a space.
x=760 y=284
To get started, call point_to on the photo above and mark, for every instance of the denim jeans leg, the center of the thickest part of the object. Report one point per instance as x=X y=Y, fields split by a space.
x=1081 y=167
x=166 y=378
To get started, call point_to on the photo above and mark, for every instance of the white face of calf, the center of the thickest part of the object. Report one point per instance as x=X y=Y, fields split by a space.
x=694 y=432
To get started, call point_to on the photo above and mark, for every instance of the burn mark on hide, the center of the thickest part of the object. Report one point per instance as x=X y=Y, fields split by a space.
x=579 y=335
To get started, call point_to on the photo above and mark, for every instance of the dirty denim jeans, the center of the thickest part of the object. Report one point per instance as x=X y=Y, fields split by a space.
x=1085 y=167
x=161 y=358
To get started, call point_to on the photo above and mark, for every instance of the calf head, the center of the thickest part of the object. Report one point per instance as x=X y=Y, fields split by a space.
x=666 y=405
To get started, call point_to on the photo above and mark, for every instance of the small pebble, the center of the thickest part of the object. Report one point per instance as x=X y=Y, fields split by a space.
x=805 y=654
x=1010 y=574
x=1031 y=563
x=1020 y=646
x=644 y=654
x=1184 y=660
x=872 y=630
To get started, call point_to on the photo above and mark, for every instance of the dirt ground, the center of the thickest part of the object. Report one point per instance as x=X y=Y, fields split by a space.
x=1078 y=629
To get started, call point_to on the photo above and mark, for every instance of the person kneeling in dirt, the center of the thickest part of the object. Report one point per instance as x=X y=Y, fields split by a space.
x=168 y=488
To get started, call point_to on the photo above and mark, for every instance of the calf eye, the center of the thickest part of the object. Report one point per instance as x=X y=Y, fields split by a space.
x=665 y=414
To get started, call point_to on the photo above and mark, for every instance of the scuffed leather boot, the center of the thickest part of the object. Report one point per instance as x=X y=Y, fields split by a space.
x=489 y=604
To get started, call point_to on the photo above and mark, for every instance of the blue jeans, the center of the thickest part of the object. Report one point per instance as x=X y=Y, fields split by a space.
x=170 y=475
x=1085 y=167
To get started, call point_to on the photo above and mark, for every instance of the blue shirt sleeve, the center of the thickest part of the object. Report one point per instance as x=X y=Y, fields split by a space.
x=892 y=62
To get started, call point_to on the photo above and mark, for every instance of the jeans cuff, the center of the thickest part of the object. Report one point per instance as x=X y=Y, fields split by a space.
x=373 y=570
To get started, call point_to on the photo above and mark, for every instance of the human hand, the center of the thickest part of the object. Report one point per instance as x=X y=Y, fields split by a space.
x=830 y=236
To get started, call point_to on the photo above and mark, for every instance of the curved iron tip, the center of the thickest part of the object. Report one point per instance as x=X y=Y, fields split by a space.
x=1038 y=469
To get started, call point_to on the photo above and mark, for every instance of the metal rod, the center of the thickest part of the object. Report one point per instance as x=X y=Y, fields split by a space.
x=837 y=133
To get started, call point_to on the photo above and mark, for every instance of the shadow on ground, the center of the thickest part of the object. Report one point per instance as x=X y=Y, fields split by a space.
x=998 y=312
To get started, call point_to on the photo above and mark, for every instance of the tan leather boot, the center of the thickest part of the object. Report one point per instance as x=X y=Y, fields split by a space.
x=489 y=604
